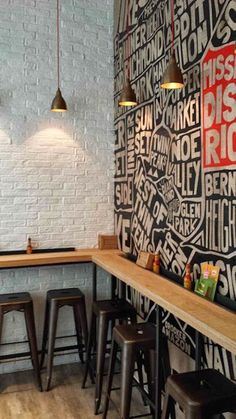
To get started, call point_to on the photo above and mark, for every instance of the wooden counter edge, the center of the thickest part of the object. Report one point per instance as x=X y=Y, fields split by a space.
x=189 y=318
x=52 y=258
x=95 y=255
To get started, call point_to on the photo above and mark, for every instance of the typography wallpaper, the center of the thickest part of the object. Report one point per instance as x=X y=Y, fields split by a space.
x=175 y=152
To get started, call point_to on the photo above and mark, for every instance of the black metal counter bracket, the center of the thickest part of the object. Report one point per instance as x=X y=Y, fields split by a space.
x=158 y=363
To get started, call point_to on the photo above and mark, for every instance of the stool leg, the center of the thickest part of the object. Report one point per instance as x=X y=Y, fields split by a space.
x=149 y=359
x=195 y=414
x=30 y=326
x=88 y=350
x=127 y=372
x=114 y=349
x=83 y=320
x=45 y=334
x=166 y=369
x=100 y=359
x=167 y=406
x=78 y=332
x=133 y=318
x=1 y=321
x=140 y=374
x=150 y=370
x=51 y=340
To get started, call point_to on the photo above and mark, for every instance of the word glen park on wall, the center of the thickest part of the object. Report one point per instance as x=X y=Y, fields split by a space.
x=175 y=152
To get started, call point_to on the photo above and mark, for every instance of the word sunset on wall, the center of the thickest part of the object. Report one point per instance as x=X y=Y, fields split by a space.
x=175 y=152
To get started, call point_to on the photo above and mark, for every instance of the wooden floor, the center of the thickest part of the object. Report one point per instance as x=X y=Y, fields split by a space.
x=20 y=399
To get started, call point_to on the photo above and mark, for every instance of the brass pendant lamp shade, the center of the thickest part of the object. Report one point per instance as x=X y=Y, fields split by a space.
x=127 y=97
x=58 y=103
x=172 y=77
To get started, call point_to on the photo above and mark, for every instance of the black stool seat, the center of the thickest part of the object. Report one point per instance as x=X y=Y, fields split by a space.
x=66 y=294
x=107 y=312
x=113 y=308
x=23 y=302
x=201 y=394
x=141 y=335
x=19 y=297
x=56 y=299
x=131 y=338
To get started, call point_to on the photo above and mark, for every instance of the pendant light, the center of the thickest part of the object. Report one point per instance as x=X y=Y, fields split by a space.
x=58 y=103
x=128 y=97
x=172 y=77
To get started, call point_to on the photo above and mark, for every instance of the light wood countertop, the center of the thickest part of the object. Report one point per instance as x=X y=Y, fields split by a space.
x=213 y=321
x=51 y=258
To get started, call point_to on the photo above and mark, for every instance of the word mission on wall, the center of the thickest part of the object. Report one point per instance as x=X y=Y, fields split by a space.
x=175 y=152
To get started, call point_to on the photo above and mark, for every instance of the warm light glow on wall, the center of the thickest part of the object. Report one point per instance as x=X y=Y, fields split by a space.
x=50 y=137
x=4 y=138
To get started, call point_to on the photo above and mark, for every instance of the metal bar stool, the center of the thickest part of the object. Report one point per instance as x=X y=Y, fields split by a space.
x=105 y=311
x=131 y=339
x=23 y=302
x=201 y=394
x=55 y=300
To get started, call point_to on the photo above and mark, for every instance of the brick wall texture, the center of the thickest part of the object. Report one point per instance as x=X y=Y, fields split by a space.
x=56 y=170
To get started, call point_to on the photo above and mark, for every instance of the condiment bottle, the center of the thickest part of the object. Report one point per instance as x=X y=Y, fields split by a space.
x=29 y=248
x=156 y=263
x=187 y=277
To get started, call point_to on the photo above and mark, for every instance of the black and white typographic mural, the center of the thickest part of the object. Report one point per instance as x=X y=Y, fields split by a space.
x=175 y=152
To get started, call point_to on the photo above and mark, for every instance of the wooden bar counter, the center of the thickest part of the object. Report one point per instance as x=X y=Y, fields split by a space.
x=207 y=318
x=51 y=258
x=212 y=320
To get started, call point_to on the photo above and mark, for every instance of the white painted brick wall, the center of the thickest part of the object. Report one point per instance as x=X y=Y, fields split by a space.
x=56 y=170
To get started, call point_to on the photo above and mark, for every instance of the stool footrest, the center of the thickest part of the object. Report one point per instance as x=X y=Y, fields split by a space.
x=66 y=348
x=15 y=356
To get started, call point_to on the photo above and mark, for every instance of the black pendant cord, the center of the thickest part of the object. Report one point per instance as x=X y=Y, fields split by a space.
x=128 y=40
x=58 y=103
x=126 y=49
x=172 y=25
x=58 y=44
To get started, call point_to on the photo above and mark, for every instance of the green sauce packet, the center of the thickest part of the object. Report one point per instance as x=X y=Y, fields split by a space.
x=206 y=285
